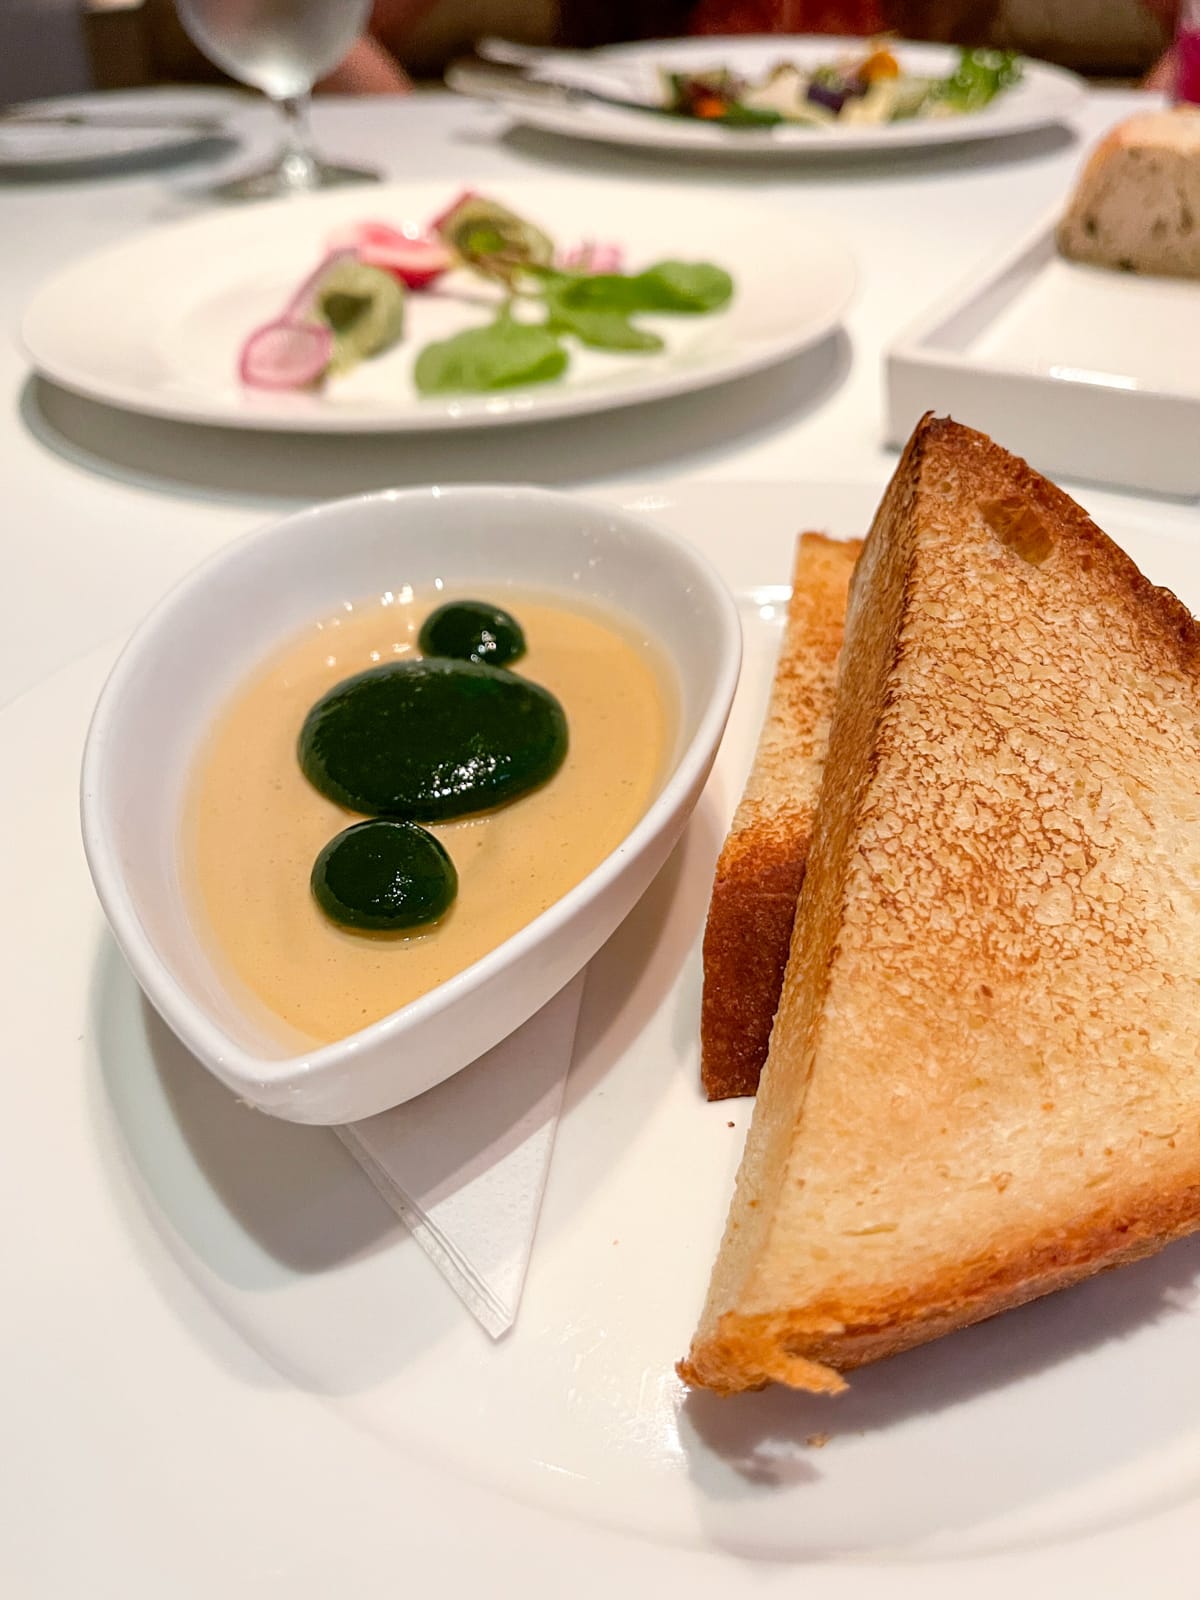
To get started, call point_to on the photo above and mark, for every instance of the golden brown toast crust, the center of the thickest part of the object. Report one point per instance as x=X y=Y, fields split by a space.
x=811 y=1350
x=984 y=1077
x=761 y=866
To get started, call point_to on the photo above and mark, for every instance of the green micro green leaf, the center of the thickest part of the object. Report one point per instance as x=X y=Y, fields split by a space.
x=499 y=356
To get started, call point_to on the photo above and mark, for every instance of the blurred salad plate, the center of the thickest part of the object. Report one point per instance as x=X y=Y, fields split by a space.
x=774 y=94
x=421 y=307
x=83 y=131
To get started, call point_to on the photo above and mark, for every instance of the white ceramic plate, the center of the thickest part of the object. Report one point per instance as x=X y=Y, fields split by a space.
x=1082 y=369
x=120 y=127
x=155 y=324
x=231 y=1373
x=1044 y=95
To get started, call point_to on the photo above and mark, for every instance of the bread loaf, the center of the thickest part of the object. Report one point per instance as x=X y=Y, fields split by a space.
x=1137 y=205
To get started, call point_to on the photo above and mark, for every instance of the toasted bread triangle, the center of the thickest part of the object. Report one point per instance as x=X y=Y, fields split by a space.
x=983 y=1082
x=761 y=867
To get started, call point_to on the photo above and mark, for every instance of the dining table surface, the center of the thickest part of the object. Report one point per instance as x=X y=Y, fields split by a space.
x=106 y=509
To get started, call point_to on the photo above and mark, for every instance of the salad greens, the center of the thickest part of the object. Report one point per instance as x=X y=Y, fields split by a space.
x=683 y=286
x=599 y=327
x=596 y=308
x=353 y=306
x=497 y=356
x=979 y=77
x=867 y=87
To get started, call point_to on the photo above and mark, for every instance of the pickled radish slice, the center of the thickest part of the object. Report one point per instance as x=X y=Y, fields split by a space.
x=287 y=354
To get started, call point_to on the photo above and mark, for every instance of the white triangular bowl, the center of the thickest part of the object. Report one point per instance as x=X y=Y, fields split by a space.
x=211 y=631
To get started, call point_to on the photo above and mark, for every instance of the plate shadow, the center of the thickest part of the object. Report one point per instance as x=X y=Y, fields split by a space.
x=272 y=470
x=810 y=168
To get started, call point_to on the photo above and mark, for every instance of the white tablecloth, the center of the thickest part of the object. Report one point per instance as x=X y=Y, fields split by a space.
x=110 y=1311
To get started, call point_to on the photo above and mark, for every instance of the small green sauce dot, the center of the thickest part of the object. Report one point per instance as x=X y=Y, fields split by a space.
x=384 y=876
x=472 y=630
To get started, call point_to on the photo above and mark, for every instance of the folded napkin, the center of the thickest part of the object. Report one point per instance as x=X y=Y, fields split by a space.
x=464 y=1166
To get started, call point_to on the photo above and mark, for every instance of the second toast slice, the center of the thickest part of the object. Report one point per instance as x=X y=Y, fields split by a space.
x=761 y=866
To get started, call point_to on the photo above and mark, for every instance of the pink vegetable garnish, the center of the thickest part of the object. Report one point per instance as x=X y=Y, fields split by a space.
x=288 y=354
x=412 y=256
x=591 y=256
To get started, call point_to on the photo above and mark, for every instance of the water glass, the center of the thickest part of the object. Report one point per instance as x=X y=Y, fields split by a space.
x=281 y=47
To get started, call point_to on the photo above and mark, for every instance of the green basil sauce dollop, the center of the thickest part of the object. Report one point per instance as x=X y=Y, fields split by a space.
x=432 y=739
x=384 y=876
x=472 y=630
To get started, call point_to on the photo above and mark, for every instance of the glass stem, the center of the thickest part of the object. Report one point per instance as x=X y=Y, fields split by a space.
x=298 y=163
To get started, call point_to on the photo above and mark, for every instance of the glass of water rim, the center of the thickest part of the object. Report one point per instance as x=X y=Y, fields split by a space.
x=281 y=47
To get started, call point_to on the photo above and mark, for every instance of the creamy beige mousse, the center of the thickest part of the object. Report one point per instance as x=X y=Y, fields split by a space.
x=254 y=825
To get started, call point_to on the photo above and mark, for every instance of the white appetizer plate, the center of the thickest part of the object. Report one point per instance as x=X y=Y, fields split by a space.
x=155 y=324
x=232 y=1373
x=1044 y=95
x=224 y=621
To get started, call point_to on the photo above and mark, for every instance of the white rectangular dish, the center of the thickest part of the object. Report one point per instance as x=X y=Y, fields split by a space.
x=1091 y=374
